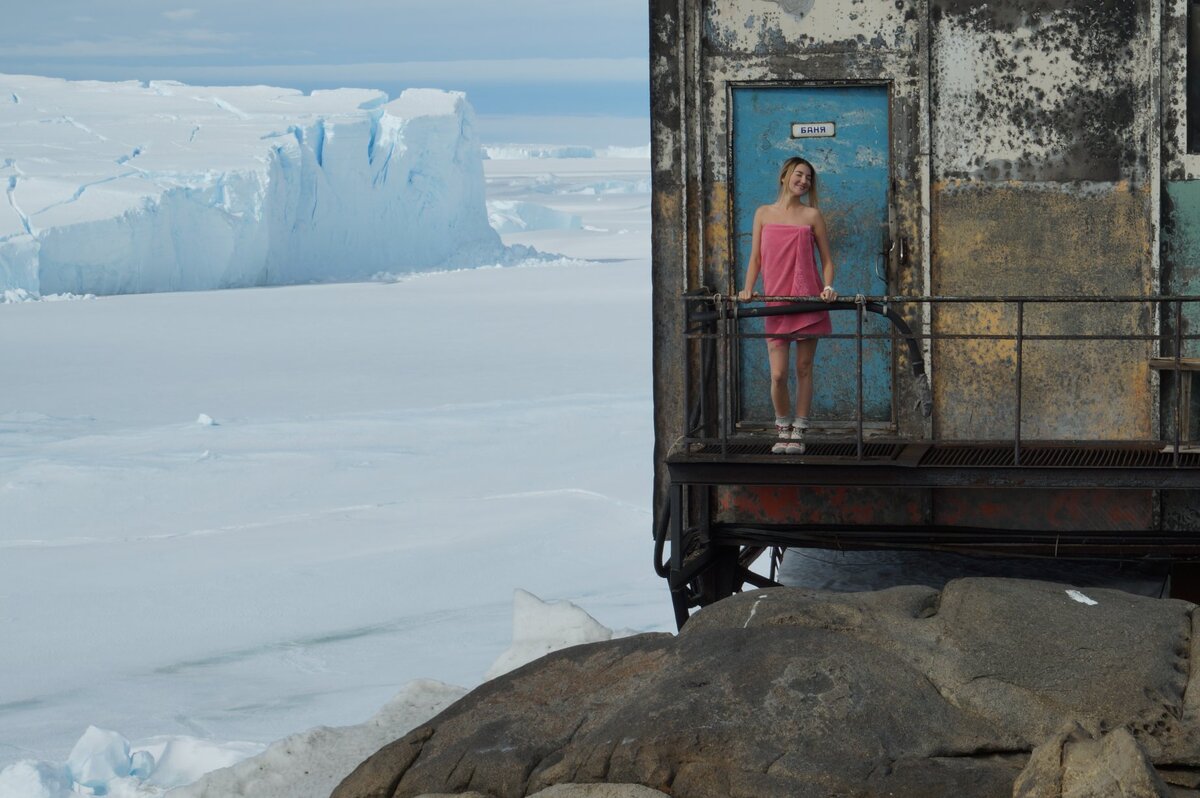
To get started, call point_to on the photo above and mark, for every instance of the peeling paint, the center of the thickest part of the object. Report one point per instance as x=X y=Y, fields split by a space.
x=793 y=505
x=1019 y=239
x=1181 y=247
x=716 y=231
x=1039 y=509
x=779 y=26
x=797 y=8
x=1039 y=91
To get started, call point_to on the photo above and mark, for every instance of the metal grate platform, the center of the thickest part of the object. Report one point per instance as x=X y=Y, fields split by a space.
x=1057 y=456
x=749 y=461
x=761 y=447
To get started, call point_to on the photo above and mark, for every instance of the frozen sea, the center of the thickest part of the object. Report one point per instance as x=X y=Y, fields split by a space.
x=238 y=514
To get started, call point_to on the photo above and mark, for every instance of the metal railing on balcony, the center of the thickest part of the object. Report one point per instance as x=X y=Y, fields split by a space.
x=717 y=326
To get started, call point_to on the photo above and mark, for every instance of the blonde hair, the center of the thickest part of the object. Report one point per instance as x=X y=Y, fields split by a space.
x=786 y=169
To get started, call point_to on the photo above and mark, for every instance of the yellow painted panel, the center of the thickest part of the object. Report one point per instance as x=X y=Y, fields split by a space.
x=1015 y=239
x=716 y=237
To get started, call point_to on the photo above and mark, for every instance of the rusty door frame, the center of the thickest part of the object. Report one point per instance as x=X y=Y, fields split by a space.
x=889 y=84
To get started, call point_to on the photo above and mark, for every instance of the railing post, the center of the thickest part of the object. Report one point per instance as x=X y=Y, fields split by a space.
x=1179 y=414
x=1020 y=342
x=731 y=337
x=723 y=419
x=858 y=341
x=686 y=393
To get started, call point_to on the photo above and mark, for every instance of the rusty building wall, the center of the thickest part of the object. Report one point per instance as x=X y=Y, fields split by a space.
x=803 y=41
x=806 y=42
x=668 y=238
x=721 y=43
x=1180 y=265
x=1044 y=132
x=1180 y=258
x=1027 y=154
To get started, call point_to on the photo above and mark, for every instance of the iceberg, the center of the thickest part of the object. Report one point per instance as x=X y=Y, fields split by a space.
x=519 y=152
x=99 y=757
x=517 y=216
x=134 y=187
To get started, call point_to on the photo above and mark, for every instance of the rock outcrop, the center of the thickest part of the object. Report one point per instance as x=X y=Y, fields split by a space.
x=990 y=687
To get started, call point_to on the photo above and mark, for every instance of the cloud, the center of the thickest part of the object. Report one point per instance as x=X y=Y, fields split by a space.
x=113 y=46
x=190 y=41
x=496 y=70
x=180 y=14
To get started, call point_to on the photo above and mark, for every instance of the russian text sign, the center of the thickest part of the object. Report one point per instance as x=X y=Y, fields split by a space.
x=810 y=130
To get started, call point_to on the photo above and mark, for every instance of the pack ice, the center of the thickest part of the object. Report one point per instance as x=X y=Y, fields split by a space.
x=130 y=187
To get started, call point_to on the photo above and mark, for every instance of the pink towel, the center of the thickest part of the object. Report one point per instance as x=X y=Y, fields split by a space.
x=789 y=269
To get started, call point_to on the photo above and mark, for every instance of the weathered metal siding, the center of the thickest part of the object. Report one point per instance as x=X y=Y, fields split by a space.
x=805 y=41
x=798 y=42
x=1180 y=265
x=668 y=209
x=698 y=50
x=1044 y=145
x=803 y=505
x=854 y=183
x=1028 y=156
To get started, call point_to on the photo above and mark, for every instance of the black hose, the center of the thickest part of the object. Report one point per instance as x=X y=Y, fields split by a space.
x=879 y=308
x=660 y=541
x=707 y=364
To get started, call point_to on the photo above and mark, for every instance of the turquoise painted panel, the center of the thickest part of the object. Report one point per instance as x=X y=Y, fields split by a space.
x=1182 y=233
x=852 y=181
x=1182 y=239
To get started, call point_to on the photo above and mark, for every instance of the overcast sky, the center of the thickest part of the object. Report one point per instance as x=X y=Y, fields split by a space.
x=511 y=57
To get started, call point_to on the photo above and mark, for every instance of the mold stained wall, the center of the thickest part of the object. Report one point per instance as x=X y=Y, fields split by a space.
x=669 y=234
x=1028 y=154
x=1044 y=127
x=799 y=42
x=1181 y=171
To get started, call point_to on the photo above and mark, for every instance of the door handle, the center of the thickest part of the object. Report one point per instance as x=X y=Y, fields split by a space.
x=884 y=255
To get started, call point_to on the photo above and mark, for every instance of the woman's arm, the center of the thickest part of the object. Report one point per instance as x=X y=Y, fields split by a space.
x=752 y=267
x=827 y=293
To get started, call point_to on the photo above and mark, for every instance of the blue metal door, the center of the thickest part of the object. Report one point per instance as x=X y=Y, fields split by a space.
x=852 y=167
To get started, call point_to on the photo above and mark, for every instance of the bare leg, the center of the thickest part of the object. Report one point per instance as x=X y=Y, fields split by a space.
x=777 y=352
x=806 y=350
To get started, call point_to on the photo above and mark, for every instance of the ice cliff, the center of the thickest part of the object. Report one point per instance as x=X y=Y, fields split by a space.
x=129 y=187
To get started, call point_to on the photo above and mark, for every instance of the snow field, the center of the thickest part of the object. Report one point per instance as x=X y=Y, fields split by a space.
x=268 y=510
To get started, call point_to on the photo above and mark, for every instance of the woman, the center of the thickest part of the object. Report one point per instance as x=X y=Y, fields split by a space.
x=782 y=248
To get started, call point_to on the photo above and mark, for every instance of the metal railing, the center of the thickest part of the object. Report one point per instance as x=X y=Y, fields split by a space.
x=715 y=329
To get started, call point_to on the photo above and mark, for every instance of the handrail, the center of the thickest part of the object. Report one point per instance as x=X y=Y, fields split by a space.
x=716 y=318
x=875 y=306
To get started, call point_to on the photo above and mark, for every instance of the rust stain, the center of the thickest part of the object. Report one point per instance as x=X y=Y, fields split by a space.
x=974 y=381
x=1013 y=239
x=1066 y=510
x=716 y=237
x=797 y=505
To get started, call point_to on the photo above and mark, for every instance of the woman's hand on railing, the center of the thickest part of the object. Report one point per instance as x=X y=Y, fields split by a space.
x=828 y=294
x=745 y=294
